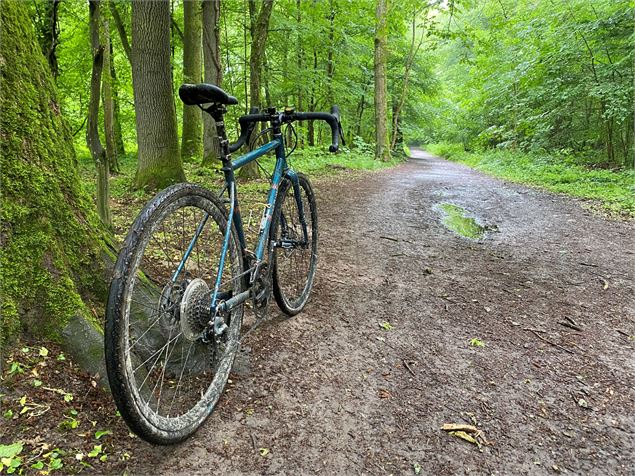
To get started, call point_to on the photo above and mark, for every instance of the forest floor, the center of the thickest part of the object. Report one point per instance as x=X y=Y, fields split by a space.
x=526 y=334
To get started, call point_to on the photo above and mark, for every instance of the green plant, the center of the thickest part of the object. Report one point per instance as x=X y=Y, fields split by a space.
x=476 y=342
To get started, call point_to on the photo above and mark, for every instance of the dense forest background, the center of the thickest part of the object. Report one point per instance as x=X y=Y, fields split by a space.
x=531 y=82
x=555 y=76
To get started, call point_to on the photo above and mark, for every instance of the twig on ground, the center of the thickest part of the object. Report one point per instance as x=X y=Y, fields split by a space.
x=389 y=238
x=625 y=334
x=548 y=341
x=253 y=441
x=405 y=363
x=570 y=326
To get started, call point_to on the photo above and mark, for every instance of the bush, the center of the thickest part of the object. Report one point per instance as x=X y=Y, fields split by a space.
x=446 y=150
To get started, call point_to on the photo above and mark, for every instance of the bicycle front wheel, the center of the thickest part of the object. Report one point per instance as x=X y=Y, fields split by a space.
x=294 y=254
x=165 y=371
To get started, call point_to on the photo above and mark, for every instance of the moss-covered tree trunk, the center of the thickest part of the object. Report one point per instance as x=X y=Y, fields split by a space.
x=51 y=239
x=159 y=162
x=191 y=136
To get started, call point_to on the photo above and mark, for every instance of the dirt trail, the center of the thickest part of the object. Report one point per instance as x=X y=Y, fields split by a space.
x=333 y=391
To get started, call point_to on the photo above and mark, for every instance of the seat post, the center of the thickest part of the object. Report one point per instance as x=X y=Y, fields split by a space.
x=217 y=111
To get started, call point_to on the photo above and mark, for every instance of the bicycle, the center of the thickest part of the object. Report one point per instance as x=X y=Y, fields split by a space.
x=176 y=300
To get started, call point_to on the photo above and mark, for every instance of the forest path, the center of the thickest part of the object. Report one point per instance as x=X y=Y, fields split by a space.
x=333 y=391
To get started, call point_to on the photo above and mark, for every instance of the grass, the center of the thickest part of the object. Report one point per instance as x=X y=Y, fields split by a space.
x=613 y=189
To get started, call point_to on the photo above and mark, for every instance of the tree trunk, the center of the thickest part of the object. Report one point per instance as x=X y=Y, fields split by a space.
x=123 y=35
x=382 y=147
x=397 y=135
x=109 y=103
x=121 y=150
x=191 y=136
x=92 y=129
x=312 y=103
x=330 y=66
x=300 y=55
x=159 y=161
x=52 y=239
x=259 y=27
x=213 y=74
x=50 y=33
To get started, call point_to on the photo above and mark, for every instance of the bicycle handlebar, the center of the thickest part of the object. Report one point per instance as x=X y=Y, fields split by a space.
x=248 y=122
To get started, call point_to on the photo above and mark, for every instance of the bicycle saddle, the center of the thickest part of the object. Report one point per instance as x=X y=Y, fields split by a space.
x=192 y=94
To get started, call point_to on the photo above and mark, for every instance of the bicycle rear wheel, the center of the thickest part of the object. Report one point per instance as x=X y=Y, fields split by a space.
x=294 y=260
x=164 y=375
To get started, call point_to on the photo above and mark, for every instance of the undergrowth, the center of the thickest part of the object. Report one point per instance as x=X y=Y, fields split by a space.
x=614 y=189
x=316 y=162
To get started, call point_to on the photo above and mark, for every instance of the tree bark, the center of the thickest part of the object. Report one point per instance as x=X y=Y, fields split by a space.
x=191 y=135
x=52 y=238
x=259 y=27
x=109 y=104
x=92 y=130
x=213 y=74
x=382 y=147
x=159 y=161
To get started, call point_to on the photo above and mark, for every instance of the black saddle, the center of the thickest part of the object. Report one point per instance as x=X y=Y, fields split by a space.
x=192 y=94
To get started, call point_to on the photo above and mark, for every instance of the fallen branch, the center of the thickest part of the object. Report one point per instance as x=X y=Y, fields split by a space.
x=389 y=238
x=548 y=341
x=459 y=427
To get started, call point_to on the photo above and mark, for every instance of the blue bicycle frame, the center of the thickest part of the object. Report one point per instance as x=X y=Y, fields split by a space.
x=281 y=171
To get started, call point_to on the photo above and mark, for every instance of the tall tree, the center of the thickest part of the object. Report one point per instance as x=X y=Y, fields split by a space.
x=259 y=28
x=415 y=45
x=382 y=143
x=93 y=141
x=191 y=138
x=159 y=161
x=213 y=72
x=51 y=239
x=109 y=101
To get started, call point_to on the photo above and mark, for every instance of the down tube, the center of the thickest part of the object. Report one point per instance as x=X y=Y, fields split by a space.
x=265 y=224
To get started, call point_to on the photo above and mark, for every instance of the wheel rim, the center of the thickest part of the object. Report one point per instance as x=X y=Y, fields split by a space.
x=294 y=267
x=173 y=377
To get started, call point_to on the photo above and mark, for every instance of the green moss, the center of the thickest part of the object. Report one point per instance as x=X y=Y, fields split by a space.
x=159 y=177
x=51 y=236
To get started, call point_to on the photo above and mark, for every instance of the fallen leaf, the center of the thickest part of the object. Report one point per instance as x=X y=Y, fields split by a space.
x=264 y=451
x=466 y=437
x=459 y=427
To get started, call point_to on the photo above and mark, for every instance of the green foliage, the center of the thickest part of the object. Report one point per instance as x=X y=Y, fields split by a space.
x=536 y=76
x=558 y=172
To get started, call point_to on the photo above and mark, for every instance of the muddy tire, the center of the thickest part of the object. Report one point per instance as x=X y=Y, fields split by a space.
x=294 y=268
x=165 y=379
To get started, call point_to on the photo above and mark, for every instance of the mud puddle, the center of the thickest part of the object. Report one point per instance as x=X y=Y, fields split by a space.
x=457 y=219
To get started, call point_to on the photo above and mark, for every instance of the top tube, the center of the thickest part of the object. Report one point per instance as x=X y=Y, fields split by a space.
x=256 y=153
